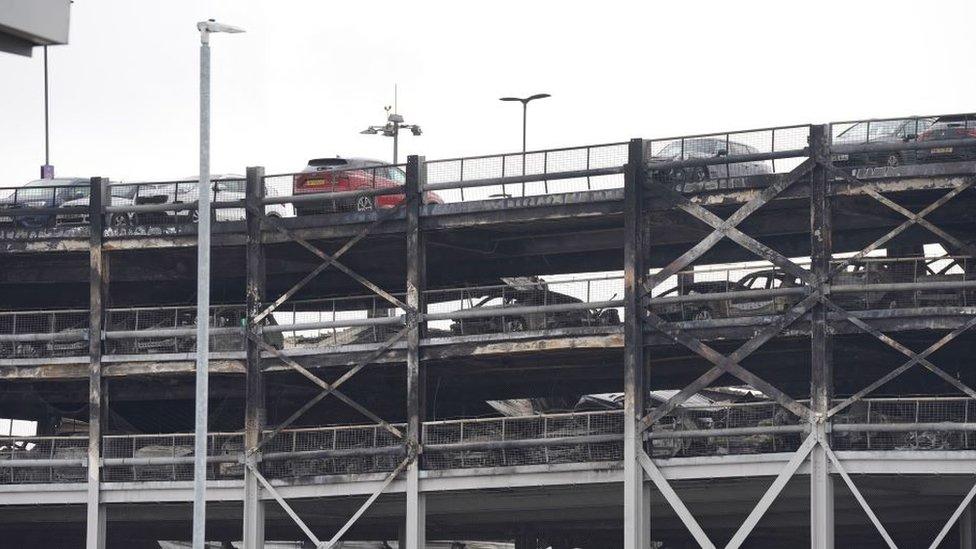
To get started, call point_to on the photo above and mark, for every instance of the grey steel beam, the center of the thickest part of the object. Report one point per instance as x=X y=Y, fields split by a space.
x=415 y=531
x=821 y=343
x=254 y=392
x=636 y=535
x=967 y=528
x=97 y=293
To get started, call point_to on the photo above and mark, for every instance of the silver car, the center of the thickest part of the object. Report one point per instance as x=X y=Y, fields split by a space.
x=226 y=188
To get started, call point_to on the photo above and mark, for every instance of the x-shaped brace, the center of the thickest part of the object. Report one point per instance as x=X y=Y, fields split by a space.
x=913 y=218
x=730 y=364
x=914 y=358
x=727 y=228
x=327 y=260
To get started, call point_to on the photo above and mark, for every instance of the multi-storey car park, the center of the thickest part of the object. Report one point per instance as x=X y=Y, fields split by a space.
x=758 y=344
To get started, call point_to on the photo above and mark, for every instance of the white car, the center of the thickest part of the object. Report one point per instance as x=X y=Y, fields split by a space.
x=226 y=188
x=120 y=197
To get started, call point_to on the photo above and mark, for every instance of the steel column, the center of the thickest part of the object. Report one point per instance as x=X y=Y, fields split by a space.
x=203 y=307
x=97 y=293
x=635 y=512
x=967 y=528
x=415 y=531
x=821 y=362
x=254 y=397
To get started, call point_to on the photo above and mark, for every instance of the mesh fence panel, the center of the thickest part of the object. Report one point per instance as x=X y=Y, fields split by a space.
x=896 y=131
x=523 y=428
x=906 y=411
x=169 y=446
x=43 y=448
x=335 y=439
x=71 y=325
x=161 y=318
x=526 y=292
x=734 y=148
x=535 y=163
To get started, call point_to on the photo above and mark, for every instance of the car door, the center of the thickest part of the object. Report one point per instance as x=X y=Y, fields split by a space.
x=755 y=305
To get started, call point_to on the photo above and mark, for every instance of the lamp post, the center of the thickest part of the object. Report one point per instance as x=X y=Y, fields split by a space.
x=525 y=107
x=47 y=170
x=394 y=123
x=203 y=288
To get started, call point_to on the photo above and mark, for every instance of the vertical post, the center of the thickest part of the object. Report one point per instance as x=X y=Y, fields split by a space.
x=254 y=398
x=967 y=528
x=97 y=290
x=822 y=371
x=635 y=513
x=416 y=284
x=203 y=306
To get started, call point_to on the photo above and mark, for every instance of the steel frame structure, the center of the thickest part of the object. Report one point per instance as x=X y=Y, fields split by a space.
x=820 y=173
x=642 y=473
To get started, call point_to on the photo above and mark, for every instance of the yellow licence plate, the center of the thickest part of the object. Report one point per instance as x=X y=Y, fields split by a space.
x=314 y=182
x=942 y=150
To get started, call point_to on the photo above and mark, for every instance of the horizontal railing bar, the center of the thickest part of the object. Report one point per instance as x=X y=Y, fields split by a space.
x=744 y=294
x=482 y=312
x=332 y=453
x=73 y=335
x=168 y=460
x=524 y=443
x=29 y=211
x=528 y=178
x=903 y=286
x=717 y=160
x=167 y=332
x=728 y=432
x=37 y=463
x=728 y=133
x=336 y=195
x=172 y=207
x=527 y=153
x=902 y=427
x=301 y=326
x=903 y=146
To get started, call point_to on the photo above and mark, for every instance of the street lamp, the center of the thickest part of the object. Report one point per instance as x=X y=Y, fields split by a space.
x=203 y=287
x=525 y=107
x=394 y=123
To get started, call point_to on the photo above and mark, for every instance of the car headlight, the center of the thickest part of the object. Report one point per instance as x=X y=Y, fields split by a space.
x=35 y=203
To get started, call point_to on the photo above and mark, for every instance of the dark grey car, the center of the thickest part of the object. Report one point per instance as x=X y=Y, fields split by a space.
x=704 y=148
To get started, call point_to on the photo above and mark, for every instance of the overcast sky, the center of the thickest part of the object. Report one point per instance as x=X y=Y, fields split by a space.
x=309 y=75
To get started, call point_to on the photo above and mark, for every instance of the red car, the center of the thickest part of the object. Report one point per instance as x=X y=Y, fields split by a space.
x=328 y=175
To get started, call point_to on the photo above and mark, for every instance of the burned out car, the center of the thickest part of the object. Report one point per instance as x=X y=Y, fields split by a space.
x=726 y=307
x=528 y=292
x=706 y=148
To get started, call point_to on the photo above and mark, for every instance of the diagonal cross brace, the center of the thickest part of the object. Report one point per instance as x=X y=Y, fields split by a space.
x=899 y=370
x=860 y=498
x=730 y=364
x=916 y=358
x=335 y=385
x=349 y=523
x=763 y=505
x=721 y=231
x=921 y=221
x=913 y=219
x=327 y=261
x=324 y=385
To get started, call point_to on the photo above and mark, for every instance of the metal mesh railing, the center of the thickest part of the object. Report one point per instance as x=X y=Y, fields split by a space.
x=138 y=453
x=58 y=460
x=911 y=423
x=759 y=289
x=891 y=142
x=171 y=203
x=68 y=331
x=715 y=161
x=163 y=330
x=29 y=207
x=509 y=441
x=345 y=450
x=527 y=304
x=551 y=171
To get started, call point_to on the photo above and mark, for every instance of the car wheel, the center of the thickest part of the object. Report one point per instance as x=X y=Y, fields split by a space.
x=700 y=174
x=365 y=204
x=516 y=325
x=703 y=314
x=893 y=160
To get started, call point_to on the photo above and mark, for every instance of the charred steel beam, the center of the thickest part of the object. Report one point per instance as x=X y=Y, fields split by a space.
x=636 y=492
x=821 y=342
x=415 y=530
x=254 y=390
x=97 y=292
